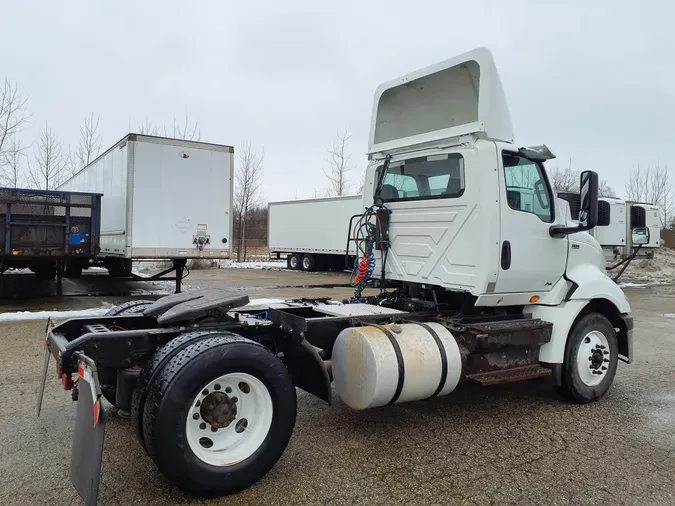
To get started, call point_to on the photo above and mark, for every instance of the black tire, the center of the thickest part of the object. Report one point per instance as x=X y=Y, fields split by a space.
x=131 y=307
x=169 y=401
x=308 y=263
x=73 y=269
x=45 y=272
x=294 y=261
x=148 y=374
x=572 y=386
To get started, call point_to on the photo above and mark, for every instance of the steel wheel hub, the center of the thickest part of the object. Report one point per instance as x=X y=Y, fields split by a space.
x=593 y=358
x=218 y=409
x=229 y=419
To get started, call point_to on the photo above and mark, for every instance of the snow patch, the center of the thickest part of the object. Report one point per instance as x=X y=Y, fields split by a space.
x=229 y=264
x=668 y=315
x=43 y=315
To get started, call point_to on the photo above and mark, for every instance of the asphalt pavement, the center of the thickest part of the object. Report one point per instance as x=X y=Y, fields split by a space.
x=511 y=444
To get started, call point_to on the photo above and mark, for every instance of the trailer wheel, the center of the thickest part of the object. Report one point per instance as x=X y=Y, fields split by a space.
x=294 y=262
x=219 y=415
x=591 y=359
x=308 y=263
x=73 y=269
x=156 y=363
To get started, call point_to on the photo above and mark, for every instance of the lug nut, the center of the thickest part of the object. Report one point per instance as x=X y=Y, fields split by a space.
x=216 y=386
x=199 y=403
x=602 y=346
x=235 y=399
x=195 y=416
x=205 y=391
x=605 y=352
x=202 y=426
x=606 y=360
x=604 y=368
x=214 y=429
x=590 y=359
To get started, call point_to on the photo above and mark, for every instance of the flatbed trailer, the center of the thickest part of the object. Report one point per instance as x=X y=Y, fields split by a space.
x=49 y=231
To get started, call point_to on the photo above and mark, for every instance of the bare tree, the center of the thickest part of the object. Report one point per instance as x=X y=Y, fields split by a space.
x=652 y=185
x=48 y=168
x=605 y=190
x=147 y=128
x=339 y=167
x=12 y=115
x=12 y=162
x=89 y=146
x=563 y=180
x=248 y=181
x=186 y=130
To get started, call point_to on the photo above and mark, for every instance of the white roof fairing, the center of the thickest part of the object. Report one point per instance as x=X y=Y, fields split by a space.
x=459 y=96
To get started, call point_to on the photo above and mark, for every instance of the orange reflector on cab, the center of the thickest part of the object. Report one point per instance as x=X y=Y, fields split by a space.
x=534 y=299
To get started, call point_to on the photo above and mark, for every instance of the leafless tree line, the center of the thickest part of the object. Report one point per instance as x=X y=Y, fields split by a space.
x=186 y=129
x=651 y=184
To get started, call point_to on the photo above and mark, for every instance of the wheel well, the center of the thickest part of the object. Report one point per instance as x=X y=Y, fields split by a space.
x=611 y=312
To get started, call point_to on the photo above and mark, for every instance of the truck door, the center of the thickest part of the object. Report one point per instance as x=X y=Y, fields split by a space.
x=530 y=259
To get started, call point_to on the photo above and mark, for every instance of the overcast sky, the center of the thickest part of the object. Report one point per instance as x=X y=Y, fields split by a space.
x=596 y=83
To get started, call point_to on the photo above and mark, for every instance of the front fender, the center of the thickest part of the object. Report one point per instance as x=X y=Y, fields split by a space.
x=591 y=284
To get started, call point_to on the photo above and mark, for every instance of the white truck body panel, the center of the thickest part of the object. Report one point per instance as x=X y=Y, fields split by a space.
x=459 y=96
x=158 y=193
x=312 y=225
x=614 y=234
x=653 y=223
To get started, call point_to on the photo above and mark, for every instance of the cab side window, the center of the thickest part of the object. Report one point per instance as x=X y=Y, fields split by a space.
x=526 y=187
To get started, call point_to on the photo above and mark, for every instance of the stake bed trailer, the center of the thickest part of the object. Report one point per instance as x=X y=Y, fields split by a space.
x=483 y=276
x=163 y=199
x=47 y=230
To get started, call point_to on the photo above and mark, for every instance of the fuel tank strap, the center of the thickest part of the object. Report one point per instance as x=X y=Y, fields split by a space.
x=443 y=354
x=399 y=360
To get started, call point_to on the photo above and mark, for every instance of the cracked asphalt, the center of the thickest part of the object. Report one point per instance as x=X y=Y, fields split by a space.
x=513 y=444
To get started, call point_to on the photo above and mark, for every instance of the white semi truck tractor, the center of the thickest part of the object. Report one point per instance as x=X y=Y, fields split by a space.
x=481 y=277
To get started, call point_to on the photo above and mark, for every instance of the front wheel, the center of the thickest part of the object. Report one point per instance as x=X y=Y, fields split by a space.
x=591 y=359
x=219 y=415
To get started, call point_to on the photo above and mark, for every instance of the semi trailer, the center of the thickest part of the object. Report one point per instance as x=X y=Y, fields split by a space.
x=312 y=233
x=617 y=218
x=473 y=286
x=163 y=199
x=48 y=231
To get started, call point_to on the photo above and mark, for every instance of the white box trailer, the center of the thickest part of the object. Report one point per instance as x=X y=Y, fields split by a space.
x=163 y=198
x=617 y=217
x=312 y=233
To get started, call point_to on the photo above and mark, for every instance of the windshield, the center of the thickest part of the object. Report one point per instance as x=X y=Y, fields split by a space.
x=428 y=177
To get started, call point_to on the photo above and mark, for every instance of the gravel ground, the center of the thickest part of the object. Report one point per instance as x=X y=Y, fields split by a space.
x=513 y=444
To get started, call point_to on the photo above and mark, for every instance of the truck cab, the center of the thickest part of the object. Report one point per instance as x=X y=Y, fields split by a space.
x=473 y=213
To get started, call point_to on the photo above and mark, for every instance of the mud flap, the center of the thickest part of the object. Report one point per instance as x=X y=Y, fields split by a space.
x=87 y=453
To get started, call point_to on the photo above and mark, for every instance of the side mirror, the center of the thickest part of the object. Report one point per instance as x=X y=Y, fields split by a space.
x=640 y=235
x=588 y=207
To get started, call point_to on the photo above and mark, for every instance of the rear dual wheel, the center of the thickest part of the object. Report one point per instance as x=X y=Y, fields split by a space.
x=218 y=414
